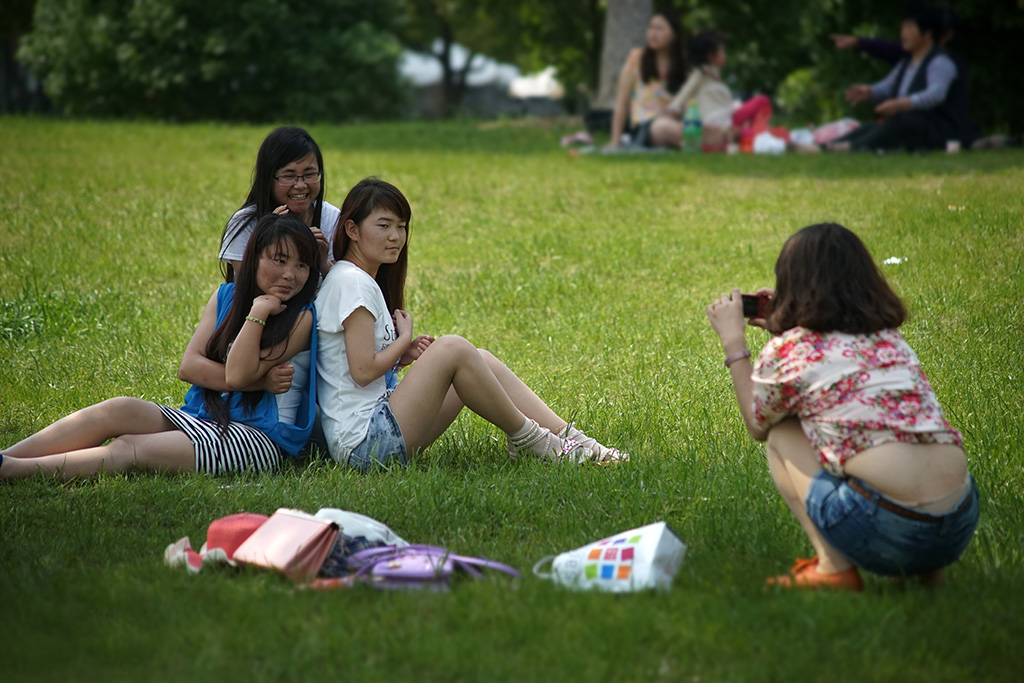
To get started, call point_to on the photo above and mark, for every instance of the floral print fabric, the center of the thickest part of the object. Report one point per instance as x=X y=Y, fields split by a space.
x=648 y=100
x=851 y=392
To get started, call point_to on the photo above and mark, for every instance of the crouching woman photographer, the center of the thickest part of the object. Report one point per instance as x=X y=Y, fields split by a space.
x=857 y=443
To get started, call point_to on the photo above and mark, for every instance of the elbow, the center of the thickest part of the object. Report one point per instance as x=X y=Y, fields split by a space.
x=362 y=377
x=183 y=373
x=235 y=381
x=757 y=433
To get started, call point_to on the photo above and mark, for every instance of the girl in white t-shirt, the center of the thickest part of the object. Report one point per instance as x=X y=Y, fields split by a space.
x=363 y=333
x=288 y=174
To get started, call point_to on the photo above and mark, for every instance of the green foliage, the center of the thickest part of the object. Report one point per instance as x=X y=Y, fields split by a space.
x=192 y=59
x=589 y=277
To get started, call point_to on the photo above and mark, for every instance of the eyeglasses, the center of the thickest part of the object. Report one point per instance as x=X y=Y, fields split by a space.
x=289 y=180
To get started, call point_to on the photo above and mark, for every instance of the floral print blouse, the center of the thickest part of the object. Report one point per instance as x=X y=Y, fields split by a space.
x=851 y=392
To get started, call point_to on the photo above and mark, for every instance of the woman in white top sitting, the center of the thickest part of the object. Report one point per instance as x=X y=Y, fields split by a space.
x=714 y=101
x=288 y=175
x=364 y=333
x=857 y=442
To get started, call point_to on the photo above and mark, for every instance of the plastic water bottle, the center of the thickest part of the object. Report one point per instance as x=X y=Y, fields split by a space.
x=693 y=129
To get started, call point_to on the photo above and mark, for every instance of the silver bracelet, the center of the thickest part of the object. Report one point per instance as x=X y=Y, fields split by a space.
x=739 y=355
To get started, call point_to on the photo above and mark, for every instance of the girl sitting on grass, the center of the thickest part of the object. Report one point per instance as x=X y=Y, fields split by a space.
x=646 y=83
x=857 y=442
x=288 y=173
x=364 y=333
x=232 y=420
x=714 y=101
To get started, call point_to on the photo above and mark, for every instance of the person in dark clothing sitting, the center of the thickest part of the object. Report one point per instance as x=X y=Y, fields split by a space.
x=924 y=100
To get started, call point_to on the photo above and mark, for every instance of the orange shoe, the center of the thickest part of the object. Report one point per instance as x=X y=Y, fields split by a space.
x=935 y=579
x=805 y=574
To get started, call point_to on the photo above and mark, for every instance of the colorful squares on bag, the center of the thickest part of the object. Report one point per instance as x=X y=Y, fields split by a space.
x=612 y=559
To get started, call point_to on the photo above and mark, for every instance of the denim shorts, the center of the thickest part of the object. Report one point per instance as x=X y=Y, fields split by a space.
x=881 y=541
x=384 y=443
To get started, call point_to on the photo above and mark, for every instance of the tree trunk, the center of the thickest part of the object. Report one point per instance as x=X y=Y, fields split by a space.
x=625 y=26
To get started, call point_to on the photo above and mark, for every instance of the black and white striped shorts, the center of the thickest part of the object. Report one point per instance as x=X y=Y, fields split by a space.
x=237 y=449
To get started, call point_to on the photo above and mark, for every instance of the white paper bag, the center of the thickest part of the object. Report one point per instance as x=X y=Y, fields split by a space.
x=354 y=525
x=647 y=557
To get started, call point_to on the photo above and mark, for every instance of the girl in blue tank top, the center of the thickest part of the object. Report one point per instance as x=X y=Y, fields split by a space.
x=247 y=406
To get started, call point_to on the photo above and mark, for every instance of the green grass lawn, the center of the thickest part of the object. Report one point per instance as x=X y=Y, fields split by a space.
x=589 y=276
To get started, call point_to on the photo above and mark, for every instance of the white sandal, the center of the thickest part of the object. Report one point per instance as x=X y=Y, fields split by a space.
x=544 y=443
x=603 y=455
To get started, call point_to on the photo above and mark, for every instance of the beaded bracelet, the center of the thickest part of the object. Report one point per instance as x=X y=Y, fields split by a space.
x=259 y=322
x=739 y=355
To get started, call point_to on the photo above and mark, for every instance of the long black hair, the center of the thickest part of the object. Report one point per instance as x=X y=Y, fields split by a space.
x=281 y=147
x=678 y=68
x=272 y=231
x=369 y=195
x=826 y=280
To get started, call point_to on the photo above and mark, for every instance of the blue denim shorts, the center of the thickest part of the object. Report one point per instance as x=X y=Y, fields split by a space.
x=881 y=541
x=384 y=443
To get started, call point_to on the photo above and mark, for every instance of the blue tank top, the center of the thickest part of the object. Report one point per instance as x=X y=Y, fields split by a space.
x=264 y=417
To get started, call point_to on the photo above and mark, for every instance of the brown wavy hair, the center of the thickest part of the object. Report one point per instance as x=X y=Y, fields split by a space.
x=826 y=281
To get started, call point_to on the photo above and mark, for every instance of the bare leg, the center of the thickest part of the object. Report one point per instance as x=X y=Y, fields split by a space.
x=150 y=441
x=450 y=362
x=93 y=426
x=793 y=463
x=450 y=409
x=524 y=398
x=666 y=132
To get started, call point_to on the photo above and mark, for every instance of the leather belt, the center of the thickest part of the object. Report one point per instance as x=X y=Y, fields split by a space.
x=902 y=511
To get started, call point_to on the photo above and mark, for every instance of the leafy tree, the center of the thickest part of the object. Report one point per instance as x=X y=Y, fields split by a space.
x=434 y=27
x=192 y=59
x=15 y=20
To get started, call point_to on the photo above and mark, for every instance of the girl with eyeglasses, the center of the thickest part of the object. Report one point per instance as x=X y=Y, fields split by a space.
x=288 y=173
x=234 y=418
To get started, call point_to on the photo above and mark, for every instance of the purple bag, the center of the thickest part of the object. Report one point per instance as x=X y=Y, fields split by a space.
x=417 y=566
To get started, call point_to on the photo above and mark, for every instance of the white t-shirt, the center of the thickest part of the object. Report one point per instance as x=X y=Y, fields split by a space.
x=233 y=246
x=345 y=406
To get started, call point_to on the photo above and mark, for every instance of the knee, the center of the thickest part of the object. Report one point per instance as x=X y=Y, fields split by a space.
x=114 y=411
x=452 y=344
x=665 y=130
x=125 y=451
